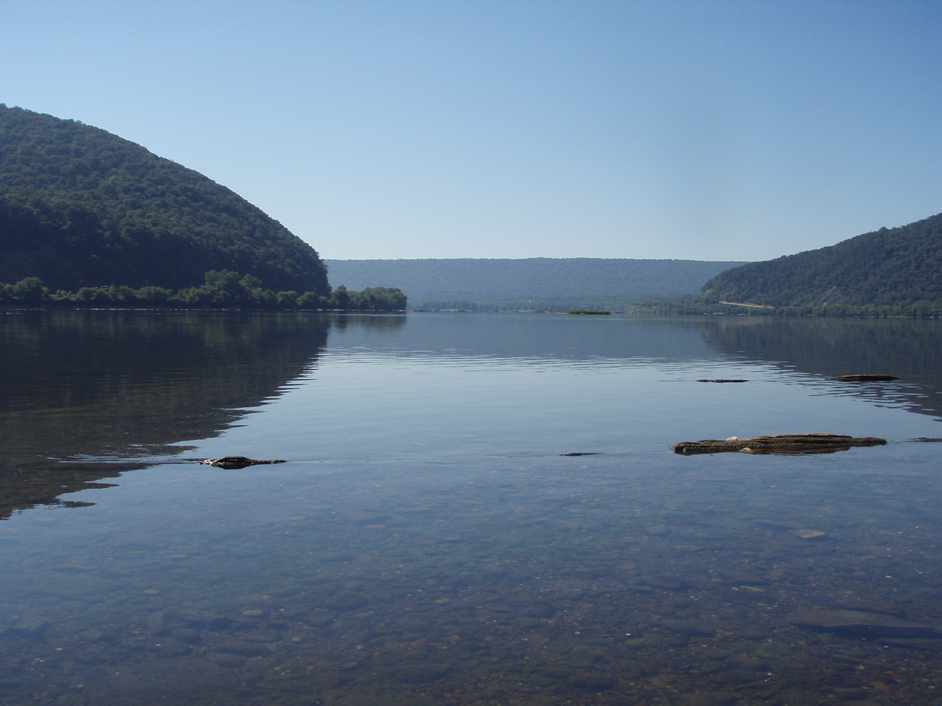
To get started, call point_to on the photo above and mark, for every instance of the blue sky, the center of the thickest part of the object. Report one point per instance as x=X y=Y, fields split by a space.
x=708 y=130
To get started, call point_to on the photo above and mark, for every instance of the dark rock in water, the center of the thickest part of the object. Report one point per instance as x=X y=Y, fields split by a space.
x=861 y=623
x=780 y=444
x=927 y=440
x=233 y=462
x=582 y=453
x=76 y=503
x=867 y=377
x=722 y=380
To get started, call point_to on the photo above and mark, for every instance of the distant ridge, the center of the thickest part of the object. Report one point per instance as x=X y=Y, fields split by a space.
x=887 y=267
x=80 y=206
x=535 y=282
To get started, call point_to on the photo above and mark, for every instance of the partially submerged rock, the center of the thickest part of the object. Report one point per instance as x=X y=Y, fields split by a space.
x=234 y=462
x=867 y=377
x=927 y=440
x=581 y=453
x=781 y=444
x=722 y=380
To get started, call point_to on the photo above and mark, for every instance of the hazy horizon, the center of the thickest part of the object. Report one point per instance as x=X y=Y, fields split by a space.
x=741 y=131
x=532 y=257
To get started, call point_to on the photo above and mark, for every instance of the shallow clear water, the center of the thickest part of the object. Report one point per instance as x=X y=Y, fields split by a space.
x=425 y=543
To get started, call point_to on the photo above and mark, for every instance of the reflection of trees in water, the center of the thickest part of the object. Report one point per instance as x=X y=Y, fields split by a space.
x=544 y=337
x=909 y=349
x=130 y=384
x=368 y=322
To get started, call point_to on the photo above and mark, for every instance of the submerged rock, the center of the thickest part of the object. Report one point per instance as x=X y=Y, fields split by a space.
x=809 y=534
x=927 y=440
x=861 y=623
x=233 y=462
x=722 y=380
x=867 y=377
x=777 y=444
x=581 y=453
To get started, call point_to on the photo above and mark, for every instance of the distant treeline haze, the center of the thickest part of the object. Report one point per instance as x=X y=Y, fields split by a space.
x=540 y=283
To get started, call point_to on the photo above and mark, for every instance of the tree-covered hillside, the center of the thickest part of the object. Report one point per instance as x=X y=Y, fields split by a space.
x=888 y=267
x=80 y=206
x=530 y=282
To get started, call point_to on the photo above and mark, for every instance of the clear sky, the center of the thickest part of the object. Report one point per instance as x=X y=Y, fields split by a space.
x=708 y=130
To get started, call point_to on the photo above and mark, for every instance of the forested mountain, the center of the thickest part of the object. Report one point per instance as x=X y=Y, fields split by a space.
x=532 y=282
x=888 y=267
x=80 y=206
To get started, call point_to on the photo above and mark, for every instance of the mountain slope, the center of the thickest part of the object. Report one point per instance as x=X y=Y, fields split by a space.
x=80 y=206
x=532 y=281
x=891 y=266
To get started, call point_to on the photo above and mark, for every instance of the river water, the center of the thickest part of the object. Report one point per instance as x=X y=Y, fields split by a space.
x=426 y=543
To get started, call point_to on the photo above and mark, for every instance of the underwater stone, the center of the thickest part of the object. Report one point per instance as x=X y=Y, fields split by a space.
x=861 y=623
x=809 y=534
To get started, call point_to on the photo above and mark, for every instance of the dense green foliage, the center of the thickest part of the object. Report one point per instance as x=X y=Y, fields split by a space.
x=688 y=306
x=895 y=270
x=532 y=283
x=82 y=207
x=219 y=289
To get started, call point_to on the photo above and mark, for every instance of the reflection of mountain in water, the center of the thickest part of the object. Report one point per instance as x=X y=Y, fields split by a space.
x=911 y=350
x=133 y=385
x=544 y=337
x=130 y=384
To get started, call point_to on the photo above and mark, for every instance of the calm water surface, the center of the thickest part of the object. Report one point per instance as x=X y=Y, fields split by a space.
x=426 y=543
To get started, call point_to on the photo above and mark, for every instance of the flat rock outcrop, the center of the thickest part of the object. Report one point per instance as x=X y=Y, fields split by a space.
x=867 y=377
x=780 y=444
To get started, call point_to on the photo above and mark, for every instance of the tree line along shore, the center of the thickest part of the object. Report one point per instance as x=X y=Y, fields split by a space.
x=704 y=306
x=220 y=289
